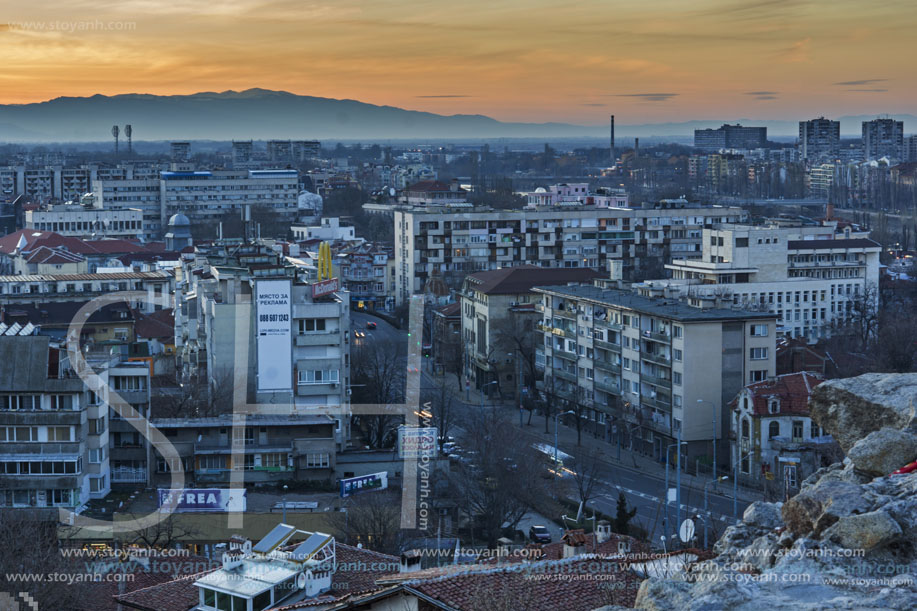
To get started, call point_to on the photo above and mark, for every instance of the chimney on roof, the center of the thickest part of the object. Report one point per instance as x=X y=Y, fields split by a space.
x=454 y=185
x=829 y=211
x=602 y=531
x=410 y=561
x=574 y=543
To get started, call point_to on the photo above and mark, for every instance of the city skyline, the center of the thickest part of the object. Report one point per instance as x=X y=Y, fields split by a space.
x=771 y=60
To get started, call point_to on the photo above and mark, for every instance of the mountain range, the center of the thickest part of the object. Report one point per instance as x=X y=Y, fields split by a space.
x=264 y=114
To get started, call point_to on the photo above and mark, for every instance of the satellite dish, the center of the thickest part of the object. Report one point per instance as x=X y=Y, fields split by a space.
x=301 y=581
x=686 y=531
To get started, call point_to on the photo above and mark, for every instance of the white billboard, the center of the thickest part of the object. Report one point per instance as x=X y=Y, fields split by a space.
x=417 y=442
x=273 y=326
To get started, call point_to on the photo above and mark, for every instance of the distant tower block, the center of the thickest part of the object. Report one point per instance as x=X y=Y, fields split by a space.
x=114 y=132
x=636 y=148
x=612 y=143
x=180 y=151
x=127 y=132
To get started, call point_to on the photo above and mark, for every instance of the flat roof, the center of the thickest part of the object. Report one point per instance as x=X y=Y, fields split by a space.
x=664 y=308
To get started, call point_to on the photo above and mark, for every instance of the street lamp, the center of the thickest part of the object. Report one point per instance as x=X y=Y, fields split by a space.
x=678 y=485
x=714 y=439
x=735 y=484
x=706 y=511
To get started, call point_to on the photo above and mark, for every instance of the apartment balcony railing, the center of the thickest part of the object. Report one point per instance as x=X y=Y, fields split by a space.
x=564 y=375
x=664 y=403
x=609 y=325
x=607 y=386
x=569 y=356
x=658 y=358
x=662 y=382
x=606 y=365
x=128 y=475
x=600 y=343
x=659 y=337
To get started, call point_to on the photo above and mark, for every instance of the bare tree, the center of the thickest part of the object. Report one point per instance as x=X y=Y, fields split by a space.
x=373 y=519
x=378 y=372
x=440 y=403
x=585 y=467
x=197 y=398
x=162 y=534
x=31 y=548
x=499 y=481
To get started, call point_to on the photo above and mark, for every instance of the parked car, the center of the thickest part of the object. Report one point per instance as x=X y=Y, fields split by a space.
x=370 y=325
x=449 y=447
x=540 y=534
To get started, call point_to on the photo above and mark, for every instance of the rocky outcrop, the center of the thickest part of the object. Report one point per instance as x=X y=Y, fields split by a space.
x=847 y=540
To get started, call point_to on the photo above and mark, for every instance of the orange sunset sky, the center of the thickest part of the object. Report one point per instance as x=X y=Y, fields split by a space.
x=649 y=61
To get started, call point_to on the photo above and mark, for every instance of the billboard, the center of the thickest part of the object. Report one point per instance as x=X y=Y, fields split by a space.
x=416 y=442
x=364 y=483
x=204 y=499
x=274 y=332
x=325 y=287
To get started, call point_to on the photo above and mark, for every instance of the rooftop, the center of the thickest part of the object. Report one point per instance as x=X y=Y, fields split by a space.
x=793 y=390
x=663 y=308
x=522 y=279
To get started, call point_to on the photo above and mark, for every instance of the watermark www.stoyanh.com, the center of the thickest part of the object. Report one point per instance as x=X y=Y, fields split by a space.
x=93 y=25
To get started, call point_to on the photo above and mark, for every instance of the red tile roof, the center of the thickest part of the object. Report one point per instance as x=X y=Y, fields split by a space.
x=158 y=325
x=43 y=254
x=793 y=390
x=34 y=239
x=176 y=595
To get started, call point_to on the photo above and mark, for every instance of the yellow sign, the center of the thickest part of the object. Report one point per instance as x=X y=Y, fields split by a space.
x=324 y=261
x=769 y=475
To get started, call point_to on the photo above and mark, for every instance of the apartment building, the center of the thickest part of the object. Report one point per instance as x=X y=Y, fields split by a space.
x=731 y=137
x=883 y=138
x=273 y=448
x=497 y=324
x=127 y=384
x=203 y=196
x=570 y=193
x=774 y=441
x=303 y=368
x=39 y=289
x=639 y=370
x=809 y=277
x=454 y=241
x=88 y=222
x=819 y=139
x=53 y=433
x=329 y=230
x=367 y=272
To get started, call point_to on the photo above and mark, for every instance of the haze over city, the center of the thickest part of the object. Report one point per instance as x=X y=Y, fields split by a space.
x=537 y=61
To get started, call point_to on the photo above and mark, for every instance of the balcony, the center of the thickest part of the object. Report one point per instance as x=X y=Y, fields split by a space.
x=569 y=356
x=661 y=382
x=564 y=375
x=658 y=358
x=316 y=338
x=606 y=366
x=663 y=403
x=659 y=337
x=608 y=325
x=128 y=475
x=607 y=386
x=600 y=343
x=42 y=417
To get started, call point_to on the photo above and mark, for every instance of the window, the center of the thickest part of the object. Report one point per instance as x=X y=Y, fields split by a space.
x=62 y=402
x=20 y=402
x=676 y=354
x=676 y=400
x=797 y=430
x=773 y=406
x=96 y=484
x=59 y=433
x=212 y=462
x=129 y=383
x=741 y=242
x=815 y=431
x=23 y=433
x=676 y=378
x=758 y=354
x=626 y=364
x=678 y=331
x=773 y=430
x=274 y=460
x=309 y=325
x=759 y=330
x=746 y=429
x=96 y=456
x=96 y=426
x=317 y=376
x=317 y=461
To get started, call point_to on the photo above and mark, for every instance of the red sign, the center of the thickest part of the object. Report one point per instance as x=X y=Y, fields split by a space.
x=325 y=287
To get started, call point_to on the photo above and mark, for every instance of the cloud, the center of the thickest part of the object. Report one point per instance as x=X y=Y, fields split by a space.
x=763 y=95
x=593 y=104
x=868 y=81
x=797 y=52
x=443 y=96
x=649 y=97
x=869 y=90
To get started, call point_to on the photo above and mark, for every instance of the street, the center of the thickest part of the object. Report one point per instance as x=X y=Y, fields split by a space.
x=642 y=487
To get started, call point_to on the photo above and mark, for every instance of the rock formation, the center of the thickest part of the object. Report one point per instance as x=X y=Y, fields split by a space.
x=847 y=540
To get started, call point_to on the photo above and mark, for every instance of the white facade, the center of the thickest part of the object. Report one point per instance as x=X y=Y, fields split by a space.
x=570 y=193
x=88 y=223
x=807 y=276
x=330 y=230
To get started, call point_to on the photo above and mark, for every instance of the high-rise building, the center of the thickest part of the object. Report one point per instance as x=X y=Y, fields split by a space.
x=911 y=145
x=242 y=152
x=809 y=277
x=180 y=151
x=646 y=371
x=455 y=240
x=731 y=137
x=819 y=139
x=53 y=431
x=883 y=138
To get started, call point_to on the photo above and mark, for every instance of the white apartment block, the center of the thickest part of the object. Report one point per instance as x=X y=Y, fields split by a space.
x=203 y=196
x=572 y=193
x=330 y=230
x=80 y=221
x=638 y=370
x=808 y=276
x=53 y=431
x=455 y=241
x=43 y=288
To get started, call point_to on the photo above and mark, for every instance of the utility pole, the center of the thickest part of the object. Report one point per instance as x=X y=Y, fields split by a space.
x=678 y=480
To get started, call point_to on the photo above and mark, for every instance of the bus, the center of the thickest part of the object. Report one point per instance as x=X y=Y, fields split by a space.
x=548 y=452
